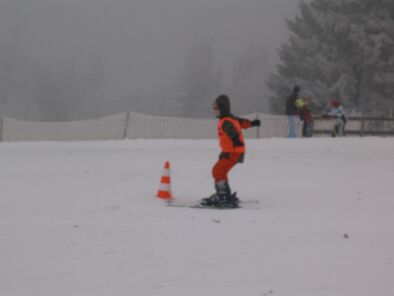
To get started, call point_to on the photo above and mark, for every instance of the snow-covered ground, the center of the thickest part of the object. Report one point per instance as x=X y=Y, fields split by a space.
x=81 y=219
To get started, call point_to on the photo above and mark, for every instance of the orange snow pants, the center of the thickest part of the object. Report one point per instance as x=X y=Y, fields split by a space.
x=225 y=163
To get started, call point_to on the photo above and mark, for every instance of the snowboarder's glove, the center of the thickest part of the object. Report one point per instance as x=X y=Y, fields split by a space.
x=255 y=122
x=237 y=142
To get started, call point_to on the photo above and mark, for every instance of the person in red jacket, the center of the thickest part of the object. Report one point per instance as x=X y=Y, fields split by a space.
x=232 y=145
x=305 y=116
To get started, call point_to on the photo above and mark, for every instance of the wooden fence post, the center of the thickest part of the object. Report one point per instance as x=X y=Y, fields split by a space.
x=1 y=129
x=362 y=126
x=126 y=125
x=258 y=128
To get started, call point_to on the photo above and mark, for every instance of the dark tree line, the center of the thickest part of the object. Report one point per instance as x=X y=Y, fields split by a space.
x=342 y=49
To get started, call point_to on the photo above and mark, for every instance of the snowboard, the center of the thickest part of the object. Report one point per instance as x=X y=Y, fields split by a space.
x=244 y=204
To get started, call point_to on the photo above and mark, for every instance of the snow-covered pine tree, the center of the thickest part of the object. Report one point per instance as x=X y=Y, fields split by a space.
x=248 y=90
x=200 y=83
x=339 y=48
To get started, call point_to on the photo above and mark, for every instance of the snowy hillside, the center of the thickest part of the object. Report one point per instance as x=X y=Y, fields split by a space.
x=81 y=219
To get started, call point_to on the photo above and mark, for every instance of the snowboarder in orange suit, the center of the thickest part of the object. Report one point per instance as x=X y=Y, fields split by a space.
x=232 y=146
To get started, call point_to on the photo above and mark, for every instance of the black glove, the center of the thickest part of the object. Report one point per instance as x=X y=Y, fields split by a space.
x=255 y=122
x=237 y=142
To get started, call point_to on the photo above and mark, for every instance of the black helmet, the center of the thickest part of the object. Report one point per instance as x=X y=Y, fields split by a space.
x=222 y=103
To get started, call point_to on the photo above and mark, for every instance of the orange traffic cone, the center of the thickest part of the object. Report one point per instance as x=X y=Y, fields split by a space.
x=165 y=183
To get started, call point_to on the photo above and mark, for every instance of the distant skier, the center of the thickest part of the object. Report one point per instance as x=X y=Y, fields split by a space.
x=232 y=152
x=339 y=114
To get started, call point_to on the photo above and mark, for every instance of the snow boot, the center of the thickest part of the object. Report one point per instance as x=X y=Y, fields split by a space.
x=222 y=198
x=210 y=201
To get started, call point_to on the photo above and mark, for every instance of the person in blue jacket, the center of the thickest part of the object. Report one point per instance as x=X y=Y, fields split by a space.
x=291 y=112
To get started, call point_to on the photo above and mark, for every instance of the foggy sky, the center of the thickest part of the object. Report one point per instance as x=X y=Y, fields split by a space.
x=143 y=43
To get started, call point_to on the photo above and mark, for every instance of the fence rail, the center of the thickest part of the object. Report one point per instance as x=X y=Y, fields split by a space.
x=358 y=125
x=130 y=125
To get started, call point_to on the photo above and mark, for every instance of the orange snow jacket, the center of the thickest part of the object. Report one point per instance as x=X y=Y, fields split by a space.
x=230 y=134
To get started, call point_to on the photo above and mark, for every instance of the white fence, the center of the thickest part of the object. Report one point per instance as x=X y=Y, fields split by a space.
x=131 y=125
